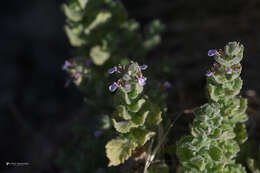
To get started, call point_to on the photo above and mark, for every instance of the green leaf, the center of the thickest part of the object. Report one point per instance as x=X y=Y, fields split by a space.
x=74 y=39
x=133 y=69
x=234 y=168
x=216 y=153
x=100 y=19
x=183 y=151
x=227 y=135
x=83 y=3
x=215 y=92
x=155 y=115
x=99 y=55
x=152 y=42
x=105 y=122
x=198 y=162
x=152 y=36
x=123 y=126
x=239 y=118
x=122 y=112
x=252 y=165
x=121 y=97
x=136 y=106
x=119 y=150
x=136 y=90
x=241 y=134
x=141 y=136
x=72 y=14
x=139 y=119
x=242 y=106
x=233 y=48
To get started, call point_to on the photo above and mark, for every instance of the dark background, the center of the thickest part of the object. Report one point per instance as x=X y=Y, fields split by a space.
x=35 y=106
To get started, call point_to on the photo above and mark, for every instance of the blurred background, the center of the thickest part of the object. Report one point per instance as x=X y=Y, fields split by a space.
x=35 y=107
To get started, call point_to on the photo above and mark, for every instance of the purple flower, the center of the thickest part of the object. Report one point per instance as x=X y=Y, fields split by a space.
x=141 y=81
x=229 y=71
x=113 y=87
x=97 y=133
x=167 y=84
x=66 y=65
x=76 y=75
x=143 y=67
x=212 y=52
x=112 y=70
x=127 y=85
x=209 y=73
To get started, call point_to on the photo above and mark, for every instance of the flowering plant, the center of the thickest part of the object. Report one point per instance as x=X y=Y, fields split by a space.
x=136 y=118
x=99 y=27
x=103 y=35
x=218 y=128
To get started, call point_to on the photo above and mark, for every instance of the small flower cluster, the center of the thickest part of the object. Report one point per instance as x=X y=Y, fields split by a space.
x=136 y=118
x=77 y=68
x=218 y=128
x=125 y=81
x=216 y=66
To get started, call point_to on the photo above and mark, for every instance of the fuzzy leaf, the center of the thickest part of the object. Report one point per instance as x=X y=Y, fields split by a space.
x=198 y=162
x=227 y=135
x=241 y=134
x=233 y=48
x=83 y=3
x=183 y=152
x=254 y=168
x=123 y=126
x=119 y=150
x=141 y=136
x=242 y=107
x=122 y=97
x=139 y=119
x=71 y=14
x=218 y=130
x=122 y=112
x=227 y=63
x=74 y=39
x=152 y=42
x=216 y=153
x=215 y=92
x=99 y=55
x=101 y=18
x=234 y=168
x=152 y=34
x=136 y=106
x=239 y=118
x=155 y=115
x=136 y=90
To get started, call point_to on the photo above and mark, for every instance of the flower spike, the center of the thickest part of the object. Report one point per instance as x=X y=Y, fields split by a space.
x=136 y=118
x=218 y=128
